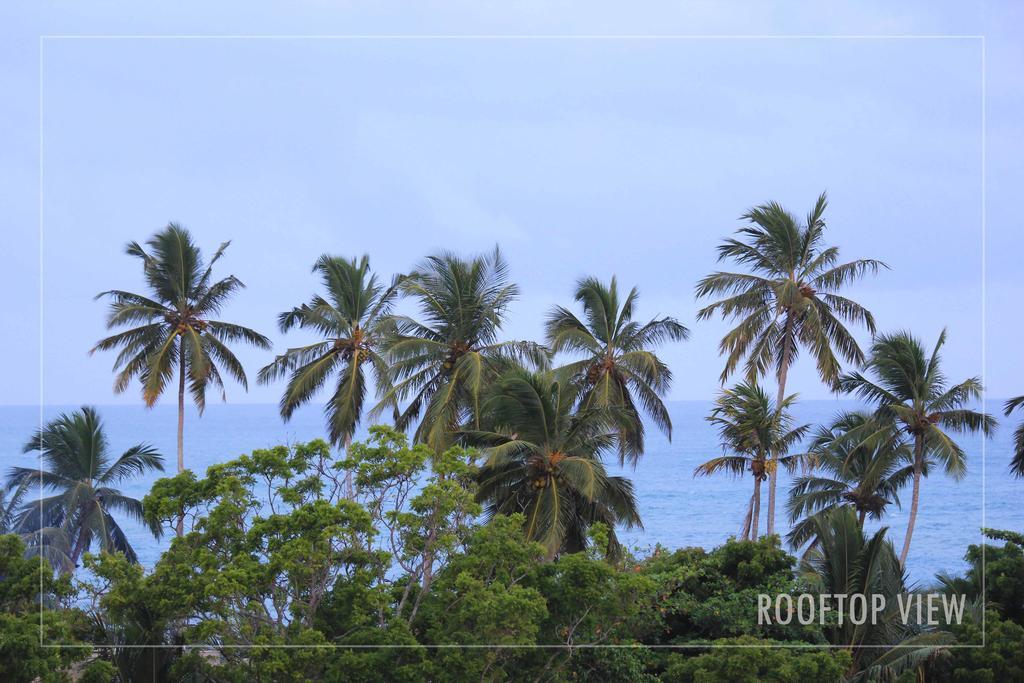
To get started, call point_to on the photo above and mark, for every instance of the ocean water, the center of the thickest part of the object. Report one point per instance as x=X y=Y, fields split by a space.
x=677 y=509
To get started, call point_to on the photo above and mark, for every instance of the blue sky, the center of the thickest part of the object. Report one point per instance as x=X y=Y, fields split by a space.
x=579 y=155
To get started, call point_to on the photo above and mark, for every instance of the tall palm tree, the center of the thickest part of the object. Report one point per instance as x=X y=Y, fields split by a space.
x=845 y=562
x=171 y=328
x=756 y=434
x=789 y=299
x=910 y=390
x=619 y=367
x=77 y=468
x=442 y=362
x=353 y=320
x=854 y=462
x=1017 y=464
x=544 y=460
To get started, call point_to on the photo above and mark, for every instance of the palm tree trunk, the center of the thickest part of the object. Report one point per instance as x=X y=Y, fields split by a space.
x=350 y=492
x=745 y=533
x=81 y=545
x=860 y=518
x=181 y=426
x=755 y=516
x=787 y=357
x=914 y=499
x=181 y=410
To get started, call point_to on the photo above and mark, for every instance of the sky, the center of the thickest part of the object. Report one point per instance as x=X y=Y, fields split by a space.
x=583 y=139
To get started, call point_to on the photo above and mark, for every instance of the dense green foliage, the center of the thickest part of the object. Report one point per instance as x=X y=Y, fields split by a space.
x=276 y=554
x=28 y=594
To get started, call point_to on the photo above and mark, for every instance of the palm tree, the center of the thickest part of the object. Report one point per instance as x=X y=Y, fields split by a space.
x=544 y=460
x=1017 y=464
x=49 y=542
x=788 y=300
x=845 y=562
x=172 y=327
x=442 y=362
x=756 y=434
x=911 y=391
x=353 y=321
x=76 y=467
x=863 y=465
x=619 y=368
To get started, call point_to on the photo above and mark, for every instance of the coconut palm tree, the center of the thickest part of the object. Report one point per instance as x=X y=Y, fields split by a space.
x=171 y=329
x=49 y=542
x=353 y=322
x=619 y=367
x=789 y=299
x=76 y=468
x=854 y=462
x=756 y=435
x=845 y=562
x=441 y=363
x=1017 y=464
x=910 y=391
x=544 y=460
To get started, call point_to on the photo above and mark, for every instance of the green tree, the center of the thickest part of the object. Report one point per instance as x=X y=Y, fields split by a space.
x=354 y=320
x=171 y=329
x=1002 y=658
x=742 y=661
x=619 y=368
x=704 y=596
x=482 y=597
x=1017 y=464
x=77 y=468
x=441 y=363
x=910 y=390
x=544 y=460
x=994 y=578
x=854 y=462
x=135 y=626
x=756 y=434
x=28 y=593
x=272 y=529
x=789 y=299
x=422 y=515
x=846 y=562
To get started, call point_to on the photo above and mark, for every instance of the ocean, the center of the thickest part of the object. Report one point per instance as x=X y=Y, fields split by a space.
x=677 y=509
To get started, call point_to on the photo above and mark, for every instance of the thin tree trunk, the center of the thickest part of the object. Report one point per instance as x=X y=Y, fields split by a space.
x=755 y=517
x=860 y=518
x=76 y=554
x=787 y=353
x=181 y=426
x=745 y=533
x=914 y=499
x=81 y=544
x=350 y=492
x=181 y=409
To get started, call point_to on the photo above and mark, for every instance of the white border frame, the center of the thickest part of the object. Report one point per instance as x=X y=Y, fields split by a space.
x=519 y=37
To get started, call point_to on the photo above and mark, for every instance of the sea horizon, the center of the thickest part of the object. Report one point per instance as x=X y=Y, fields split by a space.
x=678 y=510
